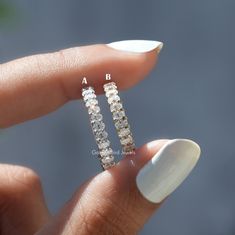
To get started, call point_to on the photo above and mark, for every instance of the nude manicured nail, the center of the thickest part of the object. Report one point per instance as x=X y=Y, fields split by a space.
x=138 y=46
x=167 y=169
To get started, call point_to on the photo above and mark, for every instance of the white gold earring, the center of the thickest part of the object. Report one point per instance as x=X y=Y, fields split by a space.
x=98 y=127
x=119 y=117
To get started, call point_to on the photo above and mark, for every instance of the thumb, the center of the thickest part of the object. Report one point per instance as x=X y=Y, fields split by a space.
x=120 y=200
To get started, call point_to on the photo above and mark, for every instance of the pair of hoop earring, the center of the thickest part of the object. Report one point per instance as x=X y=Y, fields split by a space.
x=106 y=154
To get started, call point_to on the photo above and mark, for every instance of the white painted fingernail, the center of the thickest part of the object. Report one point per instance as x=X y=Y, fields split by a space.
x=138 y=46
x=167 y=169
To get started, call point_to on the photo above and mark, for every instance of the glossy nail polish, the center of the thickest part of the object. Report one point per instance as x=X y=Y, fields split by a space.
x=167 y=169
x=137 y=46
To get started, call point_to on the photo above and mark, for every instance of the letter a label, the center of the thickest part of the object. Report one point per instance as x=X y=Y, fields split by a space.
x=84 y=81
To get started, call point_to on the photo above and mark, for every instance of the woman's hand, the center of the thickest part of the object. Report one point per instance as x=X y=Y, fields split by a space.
x=114 y=201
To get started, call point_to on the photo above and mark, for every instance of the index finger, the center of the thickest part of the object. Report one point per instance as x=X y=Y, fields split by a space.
x=39 y=84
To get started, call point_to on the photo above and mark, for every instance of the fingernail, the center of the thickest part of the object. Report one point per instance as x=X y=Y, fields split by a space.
x=138 y=46
x=167 y=169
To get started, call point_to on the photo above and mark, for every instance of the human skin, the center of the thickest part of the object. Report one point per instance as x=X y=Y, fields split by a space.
x=110 y=202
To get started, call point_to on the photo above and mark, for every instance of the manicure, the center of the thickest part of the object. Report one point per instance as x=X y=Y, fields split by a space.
x=167 y=169
x=137 y=46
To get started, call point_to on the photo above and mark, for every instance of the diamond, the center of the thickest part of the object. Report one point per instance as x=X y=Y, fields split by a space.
x=107 y=159
x=96 y=117
x=123 y=132
x=101 y=135
x=110 y=85
x=114 y=98
x=115 y=106
x=104 y=144
x=118 y=115
x=128 y=149
x=127 y=140
x=109 y=88
x=87 y=91
x=98 y=126
x=121 y=124
x=93 y=109
x=91 y=102
x=89 y=96
x=106 y=152
x=111 y=92
x=108 y=165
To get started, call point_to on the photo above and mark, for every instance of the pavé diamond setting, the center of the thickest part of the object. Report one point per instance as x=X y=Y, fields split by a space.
x=119 y=118
x=98 y=128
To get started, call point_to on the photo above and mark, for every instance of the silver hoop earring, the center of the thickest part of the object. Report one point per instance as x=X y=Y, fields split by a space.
x=98 y=127
x=119 y=117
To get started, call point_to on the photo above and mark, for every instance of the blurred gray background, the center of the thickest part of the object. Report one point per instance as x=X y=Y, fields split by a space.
x=190 y=94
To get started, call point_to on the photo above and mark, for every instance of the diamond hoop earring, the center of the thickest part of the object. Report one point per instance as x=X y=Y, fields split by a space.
x=98 y=127
x=119 y=117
